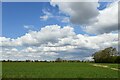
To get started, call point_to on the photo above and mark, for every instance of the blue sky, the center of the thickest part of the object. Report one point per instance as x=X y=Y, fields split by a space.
x=44 y=31
x=18 y=14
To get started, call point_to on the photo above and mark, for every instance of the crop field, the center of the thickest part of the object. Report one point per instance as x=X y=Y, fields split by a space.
x=58 y=70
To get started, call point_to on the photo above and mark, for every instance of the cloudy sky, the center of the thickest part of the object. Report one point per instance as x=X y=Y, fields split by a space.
x=48 y=30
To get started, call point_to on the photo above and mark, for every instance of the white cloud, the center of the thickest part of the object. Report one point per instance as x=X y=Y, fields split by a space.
x=107 y=20
x=87 y=14
x=53 y=41
x=79 y=12
x=29 y=50
x=47 y=34
x=46 y=15
x=89 y=58
x=14 y=50
x=30 y=27
x=65 y=20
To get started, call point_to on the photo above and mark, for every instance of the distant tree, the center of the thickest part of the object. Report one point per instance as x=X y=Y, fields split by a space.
x=27 y=60
x=36 y=61
x=107 y=55
x=3 y=61
x=58 y=60
x=9 y=60
x=45 y=61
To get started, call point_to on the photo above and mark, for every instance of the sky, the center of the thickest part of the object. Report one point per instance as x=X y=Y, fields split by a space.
x=48 y=30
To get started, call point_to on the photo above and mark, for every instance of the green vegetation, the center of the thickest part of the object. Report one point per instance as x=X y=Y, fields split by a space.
x=105 y=66
x=0 y=69
x=108 y=55
x=57 y=70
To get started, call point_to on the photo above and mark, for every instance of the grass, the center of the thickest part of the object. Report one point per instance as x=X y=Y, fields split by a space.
x=56 y=70
x=0 y=69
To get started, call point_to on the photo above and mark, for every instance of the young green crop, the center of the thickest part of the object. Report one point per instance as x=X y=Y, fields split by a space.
x=56 y=70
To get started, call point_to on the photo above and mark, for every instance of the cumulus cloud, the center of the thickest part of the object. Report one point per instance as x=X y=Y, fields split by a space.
x=107 y=20
x=87 y=14
x=54 y=41
x=80 y=12
x=47 y=34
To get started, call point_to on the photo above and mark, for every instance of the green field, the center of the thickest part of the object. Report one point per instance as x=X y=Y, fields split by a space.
x=57 y=70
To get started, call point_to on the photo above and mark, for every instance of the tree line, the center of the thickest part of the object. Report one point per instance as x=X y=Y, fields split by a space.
x=57 y=60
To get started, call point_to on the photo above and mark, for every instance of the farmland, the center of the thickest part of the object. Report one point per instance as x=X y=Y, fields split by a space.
x=58 y=70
